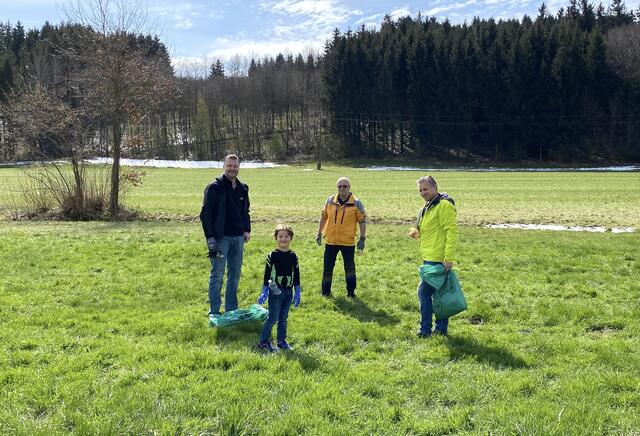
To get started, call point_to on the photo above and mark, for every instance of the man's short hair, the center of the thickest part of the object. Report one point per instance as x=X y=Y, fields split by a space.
x=283 y=227
x=231 y=156
x=343 y=179
x=428 y=180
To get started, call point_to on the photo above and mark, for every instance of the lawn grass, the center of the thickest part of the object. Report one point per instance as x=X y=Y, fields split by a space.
x=104 y=326
x=296 y=193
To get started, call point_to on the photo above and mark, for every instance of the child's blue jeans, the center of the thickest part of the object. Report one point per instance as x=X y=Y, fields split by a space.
x=278 y=313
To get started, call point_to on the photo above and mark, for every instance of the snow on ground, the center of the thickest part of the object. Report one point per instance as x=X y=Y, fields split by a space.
x=558 y=227
x=159 y=163
x=496 y=169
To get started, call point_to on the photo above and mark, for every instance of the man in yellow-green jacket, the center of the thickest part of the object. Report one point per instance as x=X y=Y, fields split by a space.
x=437 y=230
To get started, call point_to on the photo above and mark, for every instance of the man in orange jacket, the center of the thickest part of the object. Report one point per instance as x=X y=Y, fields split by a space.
x=341 y=215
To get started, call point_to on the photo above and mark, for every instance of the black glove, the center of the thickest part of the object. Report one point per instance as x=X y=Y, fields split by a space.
x=212 y=245
x=360 y=244
x=319 y=239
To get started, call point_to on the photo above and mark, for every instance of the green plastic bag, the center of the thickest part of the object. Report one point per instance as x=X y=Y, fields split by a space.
x=239 y=316
x=448 y=300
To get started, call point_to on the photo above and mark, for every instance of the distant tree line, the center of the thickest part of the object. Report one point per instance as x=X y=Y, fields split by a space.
x=563 y=87
x=273 y=111
x=507 y=90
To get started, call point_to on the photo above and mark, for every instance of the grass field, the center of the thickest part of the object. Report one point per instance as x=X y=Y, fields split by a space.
x=297 y=193
x=104 y=326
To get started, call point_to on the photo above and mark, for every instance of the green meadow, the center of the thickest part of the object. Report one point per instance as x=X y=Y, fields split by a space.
x=296 y=193
x=104 y=327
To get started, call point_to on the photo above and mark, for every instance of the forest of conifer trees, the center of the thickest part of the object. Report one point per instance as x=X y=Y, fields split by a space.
x=560 y=88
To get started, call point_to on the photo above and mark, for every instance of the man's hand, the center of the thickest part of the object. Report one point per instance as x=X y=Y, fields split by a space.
x=263 y=295
x=448 y=266
x=247 y=236
x=360 y=244
x=212 y=245
x=296 y=296
x=319 y=239
x=414 y=233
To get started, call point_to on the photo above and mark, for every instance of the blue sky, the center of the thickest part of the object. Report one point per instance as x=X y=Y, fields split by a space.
x=197 y=31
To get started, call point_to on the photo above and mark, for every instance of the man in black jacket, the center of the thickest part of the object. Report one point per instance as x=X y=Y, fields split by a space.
x=227 y=226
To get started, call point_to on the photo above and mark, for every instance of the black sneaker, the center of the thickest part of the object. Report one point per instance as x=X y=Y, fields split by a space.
x=284 y=346
x=351 y=294
x=439 y=333
x=266 y=346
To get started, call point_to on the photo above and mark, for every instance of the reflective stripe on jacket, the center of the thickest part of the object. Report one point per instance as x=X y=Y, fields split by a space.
x=342 y=219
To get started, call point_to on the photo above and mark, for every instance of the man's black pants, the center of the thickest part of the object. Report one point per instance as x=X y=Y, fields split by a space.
x=330 y=254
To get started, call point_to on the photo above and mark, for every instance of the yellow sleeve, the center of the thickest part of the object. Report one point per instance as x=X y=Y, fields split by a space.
x=324 y=211
x=449 y=224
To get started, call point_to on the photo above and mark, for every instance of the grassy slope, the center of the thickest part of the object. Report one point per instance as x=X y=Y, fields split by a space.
x=296 y=193
x=104 y=331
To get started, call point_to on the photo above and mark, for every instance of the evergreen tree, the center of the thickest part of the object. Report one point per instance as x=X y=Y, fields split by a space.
x=216 y=70
x=6 y=80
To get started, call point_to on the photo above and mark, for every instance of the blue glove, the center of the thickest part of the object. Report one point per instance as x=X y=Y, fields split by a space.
x=360 y=244
x=263 y=295
x=296 y=296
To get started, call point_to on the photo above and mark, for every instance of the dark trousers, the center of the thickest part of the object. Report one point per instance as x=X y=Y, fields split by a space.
x=330 y=254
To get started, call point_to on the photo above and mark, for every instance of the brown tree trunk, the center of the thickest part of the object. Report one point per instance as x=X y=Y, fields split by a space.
x=114 y=206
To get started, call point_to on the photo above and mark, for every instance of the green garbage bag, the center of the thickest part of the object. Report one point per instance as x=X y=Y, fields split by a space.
x=239 y=316
x=448 y=300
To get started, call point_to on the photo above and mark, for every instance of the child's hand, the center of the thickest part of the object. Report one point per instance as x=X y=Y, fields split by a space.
x=414 y=233
x=263 y=295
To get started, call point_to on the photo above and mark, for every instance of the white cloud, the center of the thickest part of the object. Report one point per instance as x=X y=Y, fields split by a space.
x=228 y=48
x=184 y=23
x=310 y=18
x=440 y=9
x=370 y=19
x=181 y=14
x=190 y=66
x=400 y=13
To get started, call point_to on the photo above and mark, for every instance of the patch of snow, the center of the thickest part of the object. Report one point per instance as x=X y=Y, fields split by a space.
x=623 y=230
x=557 y=227
x=497 y=169
x=160 y=163
x=15 y=164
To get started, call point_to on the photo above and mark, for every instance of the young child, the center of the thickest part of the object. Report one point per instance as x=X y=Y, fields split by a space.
x=281 y=278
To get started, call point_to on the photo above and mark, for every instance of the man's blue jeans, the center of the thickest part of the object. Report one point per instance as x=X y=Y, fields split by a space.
x=278 y=313
x=425 y=297
x=231 y=248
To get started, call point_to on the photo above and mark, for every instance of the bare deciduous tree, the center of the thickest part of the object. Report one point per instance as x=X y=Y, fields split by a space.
x=47 y=126
x=623 y=50
x=123 y=84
